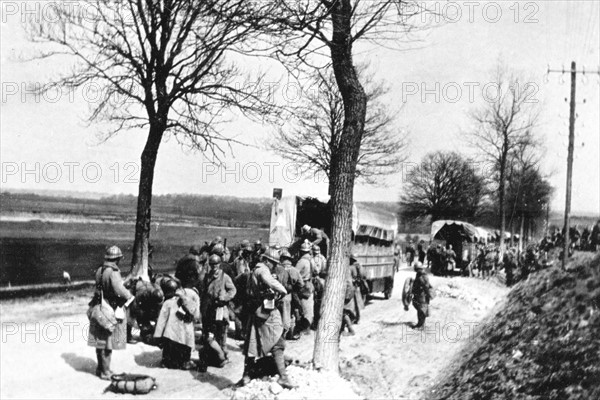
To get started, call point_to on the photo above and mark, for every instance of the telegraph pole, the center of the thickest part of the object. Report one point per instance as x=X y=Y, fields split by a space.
x=574 y=73
x=570 y=164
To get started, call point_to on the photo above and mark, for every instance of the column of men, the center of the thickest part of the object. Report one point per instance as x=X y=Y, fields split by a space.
x=269 y=298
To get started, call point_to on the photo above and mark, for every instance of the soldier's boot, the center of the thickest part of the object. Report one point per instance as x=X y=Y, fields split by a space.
x=103 y=370
x=218 y=351
x=248 y=364
x=284 y=380
x=348 y=324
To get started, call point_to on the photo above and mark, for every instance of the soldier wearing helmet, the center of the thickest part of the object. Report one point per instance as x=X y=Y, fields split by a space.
x=189 y=271
x=218 y=291
x=241 y=264
x=265 y=328
x=219 y=250
x=319 y=271
x=294 y=286
x=422 y=294
x=109 y=285
x=315 y=236
x=304 y=267
x=175 y=324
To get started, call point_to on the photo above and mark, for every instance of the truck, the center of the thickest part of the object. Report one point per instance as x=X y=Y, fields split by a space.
x=373 y=234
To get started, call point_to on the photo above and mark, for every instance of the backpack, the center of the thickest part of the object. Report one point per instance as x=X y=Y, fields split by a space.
x=132 y=384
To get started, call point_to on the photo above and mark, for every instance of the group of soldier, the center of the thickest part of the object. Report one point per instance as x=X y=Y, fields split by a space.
x=441 y=260
x=270 y=295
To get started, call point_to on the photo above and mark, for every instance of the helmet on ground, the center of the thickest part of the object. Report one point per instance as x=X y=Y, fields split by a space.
x=112 y=253
x=305 y=228
x=195 y=250
x=316 y=248
x=285 y=255
x=214 y=259
x=218 y=249
x=272 y=254
x=305 y=248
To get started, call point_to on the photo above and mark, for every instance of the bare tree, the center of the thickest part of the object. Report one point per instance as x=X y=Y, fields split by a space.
x=161 y=66
x=502 y=125
x=313 y=33
x=318 y=123
x=445 y=186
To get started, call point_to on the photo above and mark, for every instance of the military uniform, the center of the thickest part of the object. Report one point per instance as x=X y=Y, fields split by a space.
x=422 y=295
x=109 y=284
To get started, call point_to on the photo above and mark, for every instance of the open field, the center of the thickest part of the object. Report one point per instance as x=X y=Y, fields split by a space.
x=37 y=251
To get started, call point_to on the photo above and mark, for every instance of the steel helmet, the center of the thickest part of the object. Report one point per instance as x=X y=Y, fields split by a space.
x=169 y=287
x=305 y=248
x=218 y=249
x=285 y=255
x=272 y=254
x=244 y=243
x=316 y=248
x=195 y=250
x=214 y=259
x=305 y=228
x=419 y=266
x=112 y=253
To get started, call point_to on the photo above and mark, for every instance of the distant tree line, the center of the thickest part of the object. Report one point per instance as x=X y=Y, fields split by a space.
x=230 y=211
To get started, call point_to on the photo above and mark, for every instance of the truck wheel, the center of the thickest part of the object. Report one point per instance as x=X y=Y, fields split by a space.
x=389 y=288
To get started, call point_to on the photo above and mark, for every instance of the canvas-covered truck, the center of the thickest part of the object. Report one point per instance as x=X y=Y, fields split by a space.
x=373 y=234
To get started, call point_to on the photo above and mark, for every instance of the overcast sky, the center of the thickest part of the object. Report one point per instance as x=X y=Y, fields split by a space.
x=458 y=56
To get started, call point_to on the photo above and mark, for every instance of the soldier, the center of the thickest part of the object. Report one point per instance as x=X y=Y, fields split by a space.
x=265 y=328
x=218 y=291
x=241 y=264
x=319 y=261
x=349 y=313
x=510 y=265
x=360 y=288
x=595 y=237
x=294 y=286
x=175 y=324
x=421 y=251
x=259 y=249
x=219 y=250
x=450 y=259
x=422 y=295
x=319 y=264
x=109 y=285
x=315 y=236
x=304 y=267
x=410 y=253
x=189 y=271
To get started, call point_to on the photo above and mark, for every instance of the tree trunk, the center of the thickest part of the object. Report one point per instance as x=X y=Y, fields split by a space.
x=502 y=190
x=342 y=174
x=521 y=233
x=139 y=262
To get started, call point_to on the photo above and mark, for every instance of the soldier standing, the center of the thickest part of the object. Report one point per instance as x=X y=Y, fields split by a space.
x=293 y=286
x=109 y=285
x=304 y=267
x=218 y=290
x=410 y=253
x=265 y=328
x=319 y=265
x=422 y=295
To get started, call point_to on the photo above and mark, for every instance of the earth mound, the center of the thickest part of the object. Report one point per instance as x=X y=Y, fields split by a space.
x=543 y=343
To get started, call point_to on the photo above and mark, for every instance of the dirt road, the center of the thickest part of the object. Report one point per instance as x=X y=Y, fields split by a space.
x=44 y=351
